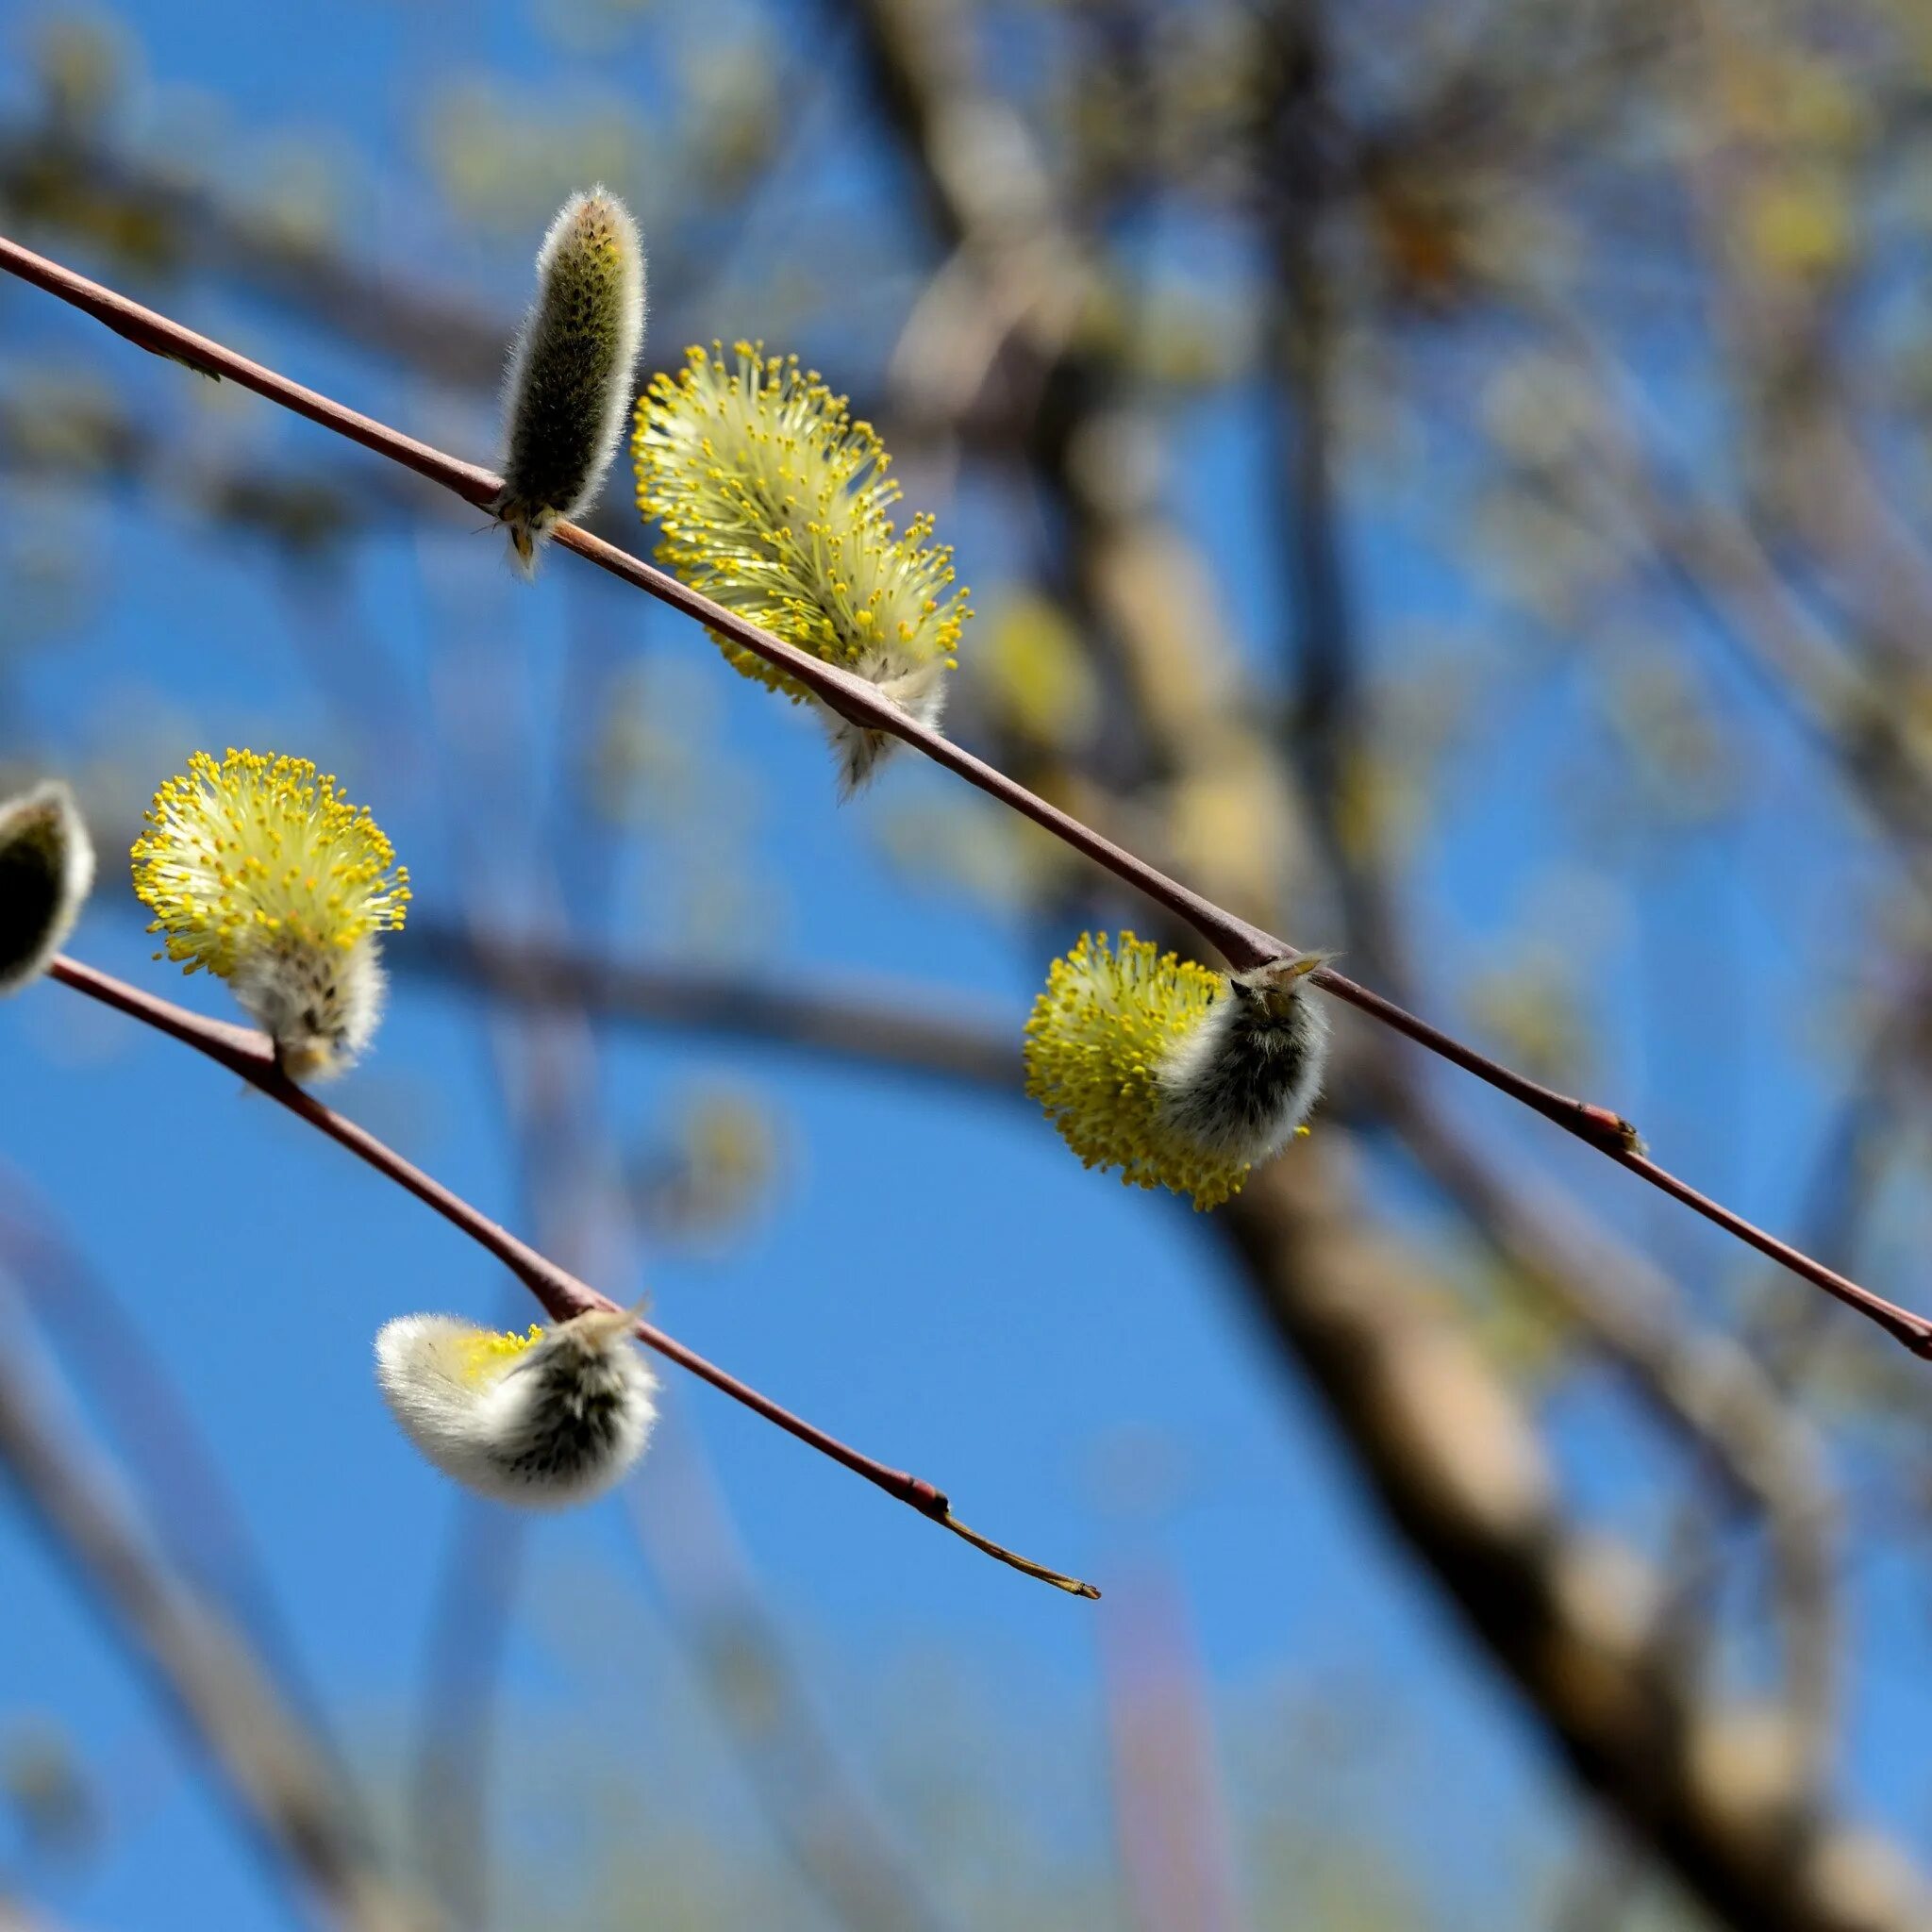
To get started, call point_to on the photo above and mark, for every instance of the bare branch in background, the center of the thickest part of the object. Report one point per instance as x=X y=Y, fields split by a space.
x=1808 y=466
x=52 y=176
x=1719 y=1792
x=457 y=1723
x=15 y=1916
x=191 y=1500
x=279 y=1782
x=1175 y=1845
x=1454 y=1462
x=886 y=1028
x=1701 y=1383
x=1718 y=563
x=829 y=1829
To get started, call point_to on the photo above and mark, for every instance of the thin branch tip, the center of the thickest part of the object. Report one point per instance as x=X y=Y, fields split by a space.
x=1026 y=1565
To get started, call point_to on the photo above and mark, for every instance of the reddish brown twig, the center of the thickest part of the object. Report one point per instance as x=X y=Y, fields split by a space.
x=250 y=1057
x=1242 y=944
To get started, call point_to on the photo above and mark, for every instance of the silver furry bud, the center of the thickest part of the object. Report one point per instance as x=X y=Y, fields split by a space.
x=47 y=870
x=1243 y=1082
x=569 y=392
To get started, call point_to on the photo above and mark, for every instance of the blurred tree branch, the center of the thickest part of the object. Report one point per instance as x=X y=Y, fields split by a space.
x=52 y=176
x=1717 y=1793
x=887 y=1028
x=1443 y=1444
x=190 y=1500
x=281 y=1784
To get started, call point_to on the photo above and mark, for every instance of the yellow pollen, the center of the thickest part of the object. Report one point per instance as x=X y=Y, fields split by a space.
x=487 y=1351
x=279 y=810
x=727 y=450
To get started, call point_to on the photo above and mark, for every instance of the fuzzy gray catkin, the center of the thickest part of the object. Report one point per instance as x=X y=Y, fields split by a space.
x=546 y=1419
x=1241 y=1083
x=47 y=870
x=570 y=386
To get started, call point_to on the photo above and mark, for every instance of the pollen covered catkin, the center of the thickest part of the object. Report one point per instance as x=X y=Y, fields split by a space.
x=777 y=503
x=260 y=870
x=47 y=870
x=1178 y=1076
x=552 y=1417
x=568 y=390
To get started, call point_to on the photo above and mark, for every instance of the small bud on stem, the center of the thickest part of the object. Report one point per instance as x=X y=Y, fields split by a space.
x=47 y=870
x=552 y=1417
x=570 y=390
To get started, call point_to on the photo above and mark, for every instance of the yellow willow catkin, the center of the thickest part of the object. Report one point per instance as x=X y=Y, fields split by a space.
x=570 y=379
x=774 y=501
x=258 y=870
x=1180 y=1077
x=47 y=870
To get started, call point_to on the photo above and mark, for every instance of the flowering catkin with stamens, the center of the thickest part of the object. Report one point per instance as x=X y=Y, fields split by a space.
x=258 y=870
x=552 y=1417
x=1180 y=1077
x=775 y=502
x=569 y=390
x=46 y=872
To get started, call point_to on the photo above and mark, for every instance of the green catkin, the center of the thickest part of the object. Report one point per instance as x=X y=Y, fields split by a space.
x=569 y=392
x=46 y=869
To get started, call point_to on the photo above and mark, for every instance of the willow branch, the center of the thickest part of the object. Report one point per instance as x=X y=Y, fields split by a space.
x=1243 y=945
x=251 y=1057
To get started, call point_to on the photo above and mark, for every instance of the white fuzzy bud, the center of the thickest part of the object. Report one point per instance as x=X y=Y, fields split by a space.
x=1241 y=1083
x=318 y=1002
x=918 y=689
x=554 y=1417
x=570 y=386
x=46 y=872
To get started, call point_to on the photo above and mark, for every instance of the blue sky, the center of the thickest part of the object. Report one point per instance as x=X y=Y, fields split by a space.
x=937 y=1282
